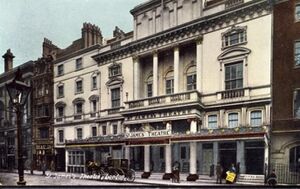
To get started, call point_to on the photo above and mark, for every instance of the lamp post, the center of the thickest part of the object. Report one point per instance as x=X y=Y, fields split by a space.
x=18 y=92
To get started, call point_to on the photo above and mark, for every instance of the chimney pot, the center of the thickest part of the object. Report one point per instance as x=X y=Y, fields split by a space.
x=8 y=60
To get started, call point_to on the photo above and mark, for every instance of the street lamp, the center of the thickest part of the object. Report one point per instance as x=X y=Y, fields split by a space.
x=18 y=92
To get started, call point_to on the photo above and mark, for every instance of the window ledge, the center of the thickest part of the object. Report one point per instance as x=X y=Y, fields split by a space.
x=76 y=93
x=235 y=45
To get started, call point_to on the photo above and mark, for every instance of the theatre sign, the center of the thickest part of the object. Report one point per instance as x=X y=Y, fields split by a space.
x=145 y=134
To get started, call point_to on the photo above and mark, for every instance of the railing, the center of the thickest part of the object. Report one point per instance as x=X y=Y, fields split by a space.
x=233 y=93
x=286 y=174
x=165 y=99
x=233 y=3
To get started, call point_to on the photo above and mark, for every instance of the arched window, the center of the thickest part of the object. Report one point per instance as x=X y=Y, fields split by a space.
x=234 y=36
x=191 y=78
x=295 y=159
x=149 y=86
x=169 y=82
x=60 y=110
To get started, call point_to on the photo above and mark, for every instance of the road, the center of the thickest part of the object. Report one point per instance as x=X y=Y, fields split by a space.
x=10 y=179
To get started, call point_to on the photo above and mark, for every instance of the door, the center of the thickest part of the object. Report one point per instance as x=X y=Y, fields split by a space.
x=207 y=161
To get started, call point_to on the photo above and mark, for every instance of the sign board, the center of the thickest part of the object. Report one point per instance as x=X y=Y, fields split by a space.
x=230 y=176
x=144 y=134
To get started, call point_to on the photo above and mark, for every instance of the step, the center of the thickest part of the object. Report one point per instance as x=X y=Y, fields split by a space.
x=247 y=178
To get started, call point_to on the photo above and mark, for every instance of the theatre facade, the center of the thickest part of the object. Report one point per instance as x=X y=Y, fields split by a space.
x=190 y=85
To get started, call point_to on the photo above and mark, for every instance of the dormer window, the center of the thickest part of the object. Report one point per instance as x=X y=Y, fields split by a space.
x=234 y=36
x=115 y=70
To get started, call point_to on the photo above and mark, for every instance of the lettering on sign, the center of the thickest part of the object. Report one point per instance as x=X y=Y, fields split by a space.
x=156 y=133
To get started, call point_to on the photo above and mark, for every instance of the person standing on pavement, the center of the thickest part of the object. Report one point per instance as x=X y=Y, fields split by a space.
x=44 y=167
x=219 y=172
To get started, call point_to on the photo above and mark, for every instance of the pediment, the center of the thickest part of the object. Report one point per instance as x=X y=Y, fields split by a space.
x=234 y=52
x=115 y=81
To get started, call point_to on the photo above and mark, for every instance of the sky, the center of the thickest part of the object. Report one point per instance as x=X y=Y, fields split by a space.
x=25 y=23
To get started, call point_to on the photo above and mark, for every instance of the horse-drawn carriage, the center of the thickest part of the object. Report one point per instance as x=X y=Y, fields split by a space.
x=115 y=170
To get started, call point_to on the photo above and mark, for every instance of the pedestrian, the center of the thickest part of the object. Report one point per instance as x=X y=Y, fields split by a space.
x=44 y=167
x=219 y=172
x=272 y=178
x=232 y=168
x=52 y=166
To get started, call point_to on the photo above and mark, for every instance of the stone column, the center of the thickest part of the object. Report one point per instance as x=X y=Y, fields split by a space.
x=168 y=159
x=244 y=116
x=146 y=173
x=216 y=155
x=176 y=69
x=67 y=160
x=240 y=155
x=193 y=162
x=137 y=79
x=199 y=62
x=193 y=126
x=200 y=156
x=127 y=153
x=155 y=73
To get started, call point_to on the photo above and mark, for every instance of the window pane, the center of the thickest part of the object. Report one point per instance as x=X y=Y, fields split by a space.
x=232 y=120
x=149 y=90
x=104 y=130
x=94 y=131
x=212 y=122
x=234 y=76
x=115 y=97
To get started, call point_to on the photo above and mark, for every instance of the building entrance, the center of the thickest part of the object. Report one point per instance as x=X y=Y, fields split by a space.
x=254 y=157
x=227 y=155
x=207 y=157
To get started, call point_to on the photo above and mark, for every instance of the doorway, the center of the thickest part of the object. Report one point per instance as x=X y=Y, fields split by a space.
x=227 y=155
x=255 y=157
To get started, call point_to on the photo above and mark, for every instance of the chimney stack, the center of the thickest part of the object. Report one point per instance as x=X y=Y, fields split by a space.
x=8 y=61
x=91 y=35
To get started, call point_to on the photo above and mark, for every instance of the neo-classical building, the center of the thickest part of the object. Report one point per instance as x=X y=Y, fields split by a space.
x=8 y=128
x=191 y=85
x=285 y=151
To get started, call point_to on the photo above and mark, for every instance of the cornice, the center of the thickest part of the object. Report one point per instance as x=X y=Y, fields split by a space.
x=188 y=31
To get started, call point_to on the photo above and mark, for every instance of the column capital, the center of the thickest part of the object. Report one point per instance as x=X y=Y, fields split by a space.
x=175 y=46
x=155 y=52
x=135 y=57
x=199 y=39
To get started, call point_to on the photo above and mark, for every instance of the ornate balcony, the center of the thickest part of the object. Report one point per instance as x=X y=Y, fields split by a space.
x=185 y=97
x=233 y=3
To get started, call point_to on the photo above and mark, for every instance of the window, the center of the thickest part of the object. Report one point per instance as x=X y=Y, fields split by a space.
x=78 y=108
x=44 y=133
x=297 y=104
x=212 y=121
x=161 y=152
x=94 y=82
x=115 y=97
x=170 y=82
x=114 y=70
x=94 y=106
x=94 y=131
x=79 y=86
x=297 y=53
x=295 y=159
x=234 y=36
x=233 y=120
x=191 y=82
x=297 y=12
x=60 y=90
x=115 y=129
x=255 y=118
x=61 y=136
x=60 y=111
x=104 y=130
x=170 y=86
x=183 y=152
x=42 y=111
x=60 y=69
x=149 y=90
x=234 y=76
x=79 y=133
x=78 y=63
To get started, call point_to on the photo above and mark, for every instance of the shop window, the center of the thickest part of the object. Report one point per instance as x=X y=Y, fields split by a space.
x=255 y=118
x=297 y=53
x=61 y=136
x=115 y=97
x=78 y=63
x=212 y=121
x=233 y=120
x=297 y=104
x=234 y=76
x=295 y=159
x=234 y=36
x=79 y=133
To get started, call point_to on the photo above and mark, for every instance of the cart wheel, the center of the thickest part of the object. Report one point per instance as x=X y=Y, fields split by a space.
x=121 y=175
x=130 y=176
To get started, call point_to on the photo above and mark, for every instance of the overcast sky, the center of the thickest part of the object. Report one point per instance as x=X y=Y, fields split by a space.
x=25 y=23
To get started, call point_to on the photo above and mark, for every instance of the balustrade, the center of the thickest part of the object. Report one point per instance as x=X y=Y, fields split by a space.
x=232 y=3
x=233 y=93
